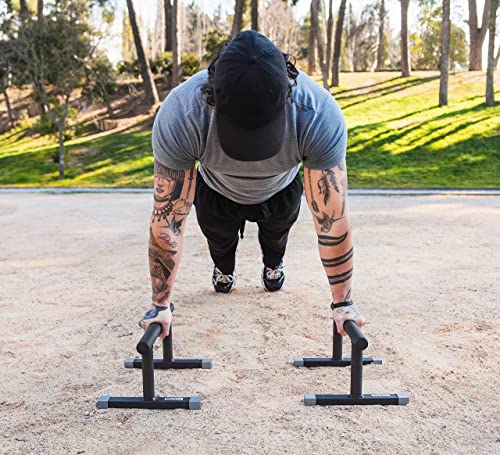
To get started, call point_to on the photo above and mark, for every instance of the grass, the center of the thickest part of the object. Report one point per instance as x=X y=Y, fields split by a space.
x=398 y=138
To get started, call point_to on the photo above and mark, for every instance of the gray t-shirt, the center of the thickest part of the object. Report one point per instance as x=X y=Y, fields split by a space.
x=185 y=131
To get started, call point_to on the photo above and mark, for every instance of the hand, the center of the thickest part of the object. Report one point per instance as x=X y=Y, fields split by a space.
x=160 y=314
x=346 y=313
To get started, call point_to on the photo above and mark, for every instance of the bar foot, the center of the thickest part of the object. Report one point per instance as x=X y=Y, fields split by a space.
x=176 y=364
x=192 y=403
x=392 y=399
x=313 y=362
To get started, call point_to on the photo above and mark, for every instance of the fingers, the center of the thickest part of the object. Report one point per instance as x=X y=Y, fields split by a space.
x=165 y=329
x=340 y=315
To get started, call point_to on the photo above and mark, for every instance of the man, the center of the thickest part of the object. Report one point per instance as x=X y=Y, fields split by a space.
x=250 y=120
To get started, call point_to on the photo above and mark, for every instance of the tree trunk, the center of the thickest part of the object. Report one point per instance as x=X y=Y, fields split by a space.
x=477 y=35
x=239 y=9
x=497 y=58
x=381 y=37
x=39 y=10
x=9 y=108
x=337 y=46
x=255 y=15
x=60 y=139
x=405 y=53
x=490 y=72
x=329 y=38
x=109 y=108
x=176 y=57
x=168 y=25
x=23 y=9
x=444 y=64
x=149 y=84
x=318 y=37
x=311 y=48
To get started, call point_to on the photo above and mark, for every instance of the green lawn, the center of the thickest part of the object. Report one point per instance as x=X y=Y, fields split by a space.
x=398 y=137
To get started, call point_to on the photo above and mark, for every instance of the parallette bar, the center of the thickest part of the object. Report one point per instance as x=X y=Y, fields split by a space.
x=313 y=362
x=176 y=364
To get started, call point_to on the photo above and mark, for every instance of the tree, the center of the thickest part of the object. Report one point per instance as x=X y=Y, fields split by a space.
x=151 y=95
x=444 y=65
x=255 y=14
x=329 y=38
x=100 y=82
x=405 y=55
x=39 y=9
x=425 y=41
x=5 y=77
x=311 y=52
x=239 y=10
x=128 y=47
x=55 y=71
x=490 y=90
x=176 y=54
x=318 y=38
x=477 y=35
x=168 y=25
x=338 y=44
x=381 y=37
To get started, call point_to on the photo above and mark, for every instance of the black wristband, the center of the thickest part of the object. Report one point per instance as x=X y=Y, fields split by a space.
x=341 y=304
x=160 y=307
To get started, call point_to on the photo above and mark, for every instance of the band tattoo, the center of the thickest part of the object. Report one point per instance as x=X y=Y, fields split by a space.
x=339 y=260
x=340 y=278
x=152 y=313
x=328 y=240
x=161 y=265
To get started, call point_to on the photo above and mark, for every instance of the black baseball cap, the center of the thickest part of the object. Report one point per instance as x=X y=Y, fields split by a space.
x=251 y=89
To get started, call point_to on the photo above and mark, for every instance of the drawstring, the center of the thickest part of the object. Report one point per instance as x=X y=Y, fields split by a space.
x=242 y=228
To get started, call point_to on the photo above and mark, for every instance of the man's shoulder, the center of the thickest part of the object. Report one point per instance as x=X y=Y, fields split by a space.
x=189 y=94
x=308 y=94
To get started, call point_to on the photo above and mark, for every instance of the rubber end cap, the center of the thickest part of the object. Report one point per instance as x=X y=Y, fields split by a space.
x=403 y=398
x=298 y=362
x=206 y=364
x=309 y=399
x=102 y=402
x=129 y=362
x=195 y=403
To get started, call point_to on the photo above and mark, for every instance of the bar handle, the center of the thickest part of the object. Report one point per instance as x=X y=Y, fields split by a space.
x=145 y=344
x=358 y=340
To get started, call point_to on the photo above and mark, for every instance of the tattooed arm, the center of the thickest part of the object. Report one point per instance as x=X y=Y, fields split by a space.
x=173 y=198
x=326 y=193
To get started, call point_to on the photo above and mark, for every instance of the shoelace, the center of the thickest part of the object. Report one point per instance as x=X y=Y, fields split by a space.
x=221 y=278
x=276 y=273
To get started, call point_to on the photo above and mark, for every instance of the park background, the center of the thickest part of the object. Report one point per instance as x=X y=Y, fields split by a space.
x=81 y=82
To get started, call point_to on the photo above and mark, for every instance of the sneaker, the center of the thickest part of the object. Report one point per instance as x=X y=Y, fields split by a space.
x=223 y=283
x=274 y=279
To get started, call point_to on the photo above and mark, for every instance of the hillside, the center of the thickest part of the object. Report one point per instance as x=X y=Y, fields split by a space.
x=398 y=137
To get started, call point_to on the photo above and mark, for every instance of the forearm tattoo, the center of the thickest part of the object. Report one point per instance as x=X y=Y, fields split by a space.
x=161 y=265
x=341 y=313
x=169 y=212
x=339 y=260
x=340 y=277
x=327 y=183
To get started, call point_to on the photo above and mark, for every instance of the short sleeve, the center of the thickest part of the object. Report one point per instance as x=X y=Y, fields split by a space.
x=174 y=136
x=324 y=140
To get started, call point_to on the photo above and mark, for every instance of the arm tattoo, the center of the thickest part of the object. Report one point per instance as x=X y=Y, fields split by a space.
x=326 y=221
x=314 y=204
x=339 y=260
x=340 y=278
x=328 y=240
x=161 y=266
x=324 y=188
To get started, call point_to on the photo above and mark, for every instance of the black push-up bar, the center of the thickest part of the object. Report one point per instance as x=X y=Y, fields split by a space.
x=356 y=397
x=148 y=365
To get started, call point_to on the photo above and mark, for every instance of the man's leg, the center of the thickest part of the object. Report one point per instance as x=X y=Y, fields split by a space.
x=219 y=221
x=284 y=210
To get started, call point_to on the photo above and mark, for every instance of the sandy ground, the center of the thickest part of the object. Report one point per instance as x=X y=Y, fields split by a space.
x=74 y=281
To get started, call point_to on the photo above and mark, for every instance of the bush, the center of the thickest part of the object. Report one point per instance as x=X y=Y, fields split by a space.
x=190 y=64
x=129 y=67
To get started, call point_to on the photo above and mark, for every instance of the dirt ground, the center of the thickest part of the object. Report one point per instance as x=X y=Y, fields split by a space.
x=74 y=282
